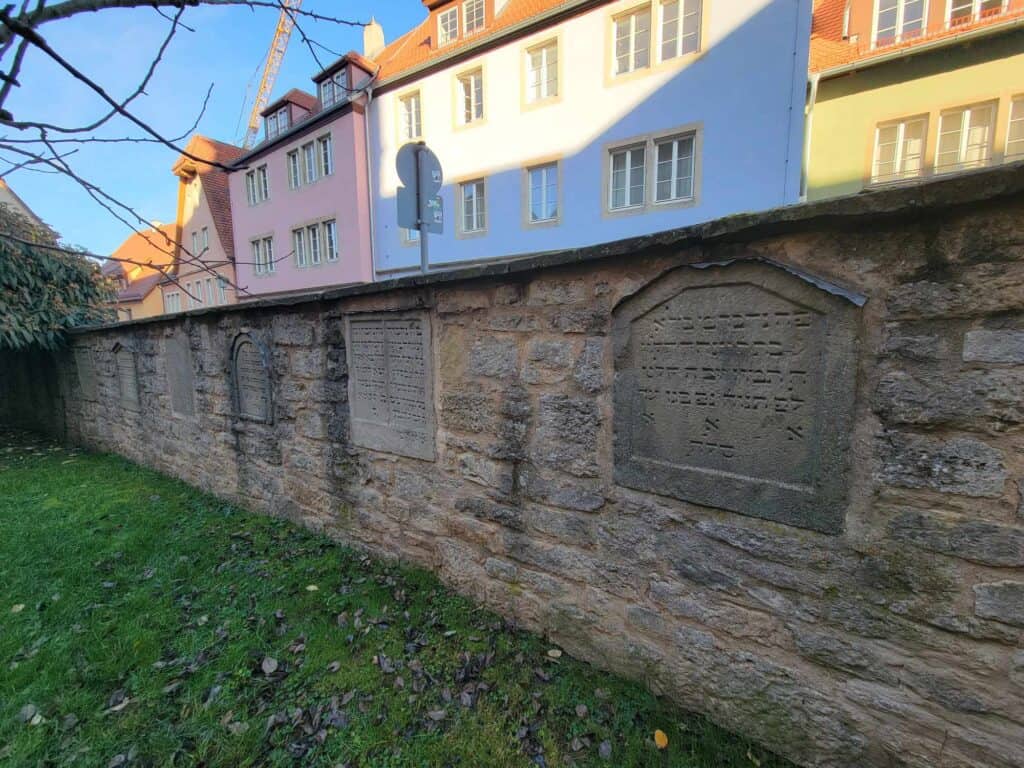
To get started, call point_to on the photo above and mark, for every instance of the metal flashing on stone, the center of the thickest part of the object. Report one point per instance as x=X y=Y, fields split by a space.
x=734 y=389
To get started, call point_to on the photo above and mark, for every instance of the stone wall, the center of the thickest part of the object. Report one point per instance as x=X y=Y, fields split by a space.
x=881 y=623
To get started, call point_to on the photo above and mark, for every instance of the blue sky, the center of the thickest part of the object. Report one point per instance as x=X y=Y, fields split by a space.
x=114 y=47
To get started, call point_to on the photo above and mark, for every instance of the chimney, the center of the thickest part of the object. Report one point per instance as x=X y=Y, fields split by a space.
x=373 y=39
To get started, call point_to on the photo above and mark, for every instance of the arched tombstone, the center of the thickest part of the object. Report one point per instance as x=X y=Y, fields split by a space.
x=734 y=389
x=180 y=376
x=250 y=376
x=127 y=376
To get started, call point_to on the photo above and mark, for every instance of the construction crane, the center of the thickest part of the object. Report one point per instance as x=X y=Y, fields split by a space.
x=275 y=55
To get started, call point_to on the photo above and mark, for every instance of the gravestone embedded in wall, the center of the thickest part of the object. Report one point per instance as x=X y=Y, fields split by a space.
x=180 y=378
x=86 y=369
x=124 y=358
x=250 y=374
x=390 y=383
x=127 y=377
x=734 y=389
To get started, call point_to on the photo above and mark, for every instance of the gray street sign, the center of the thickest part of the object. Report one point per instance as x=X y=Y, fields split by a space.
x=419 y=205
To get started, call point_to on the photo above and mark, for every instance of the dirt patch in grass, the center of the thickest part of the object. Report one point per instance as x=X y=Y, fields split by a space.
x=145 y=623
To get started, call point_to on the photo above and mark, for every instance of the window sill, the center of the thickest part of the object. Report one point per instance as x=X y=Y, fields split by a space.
x=463 y=235
x=530 y=106
x=472 y=125
x=542 y=224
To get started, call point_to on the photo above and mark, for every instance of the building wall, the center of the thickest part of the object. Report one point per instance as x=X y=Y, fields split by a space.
x=194 y=214
x=894 y=641
x=151 y=306
x=341 y=196
x=849 y=107
x=748 y=116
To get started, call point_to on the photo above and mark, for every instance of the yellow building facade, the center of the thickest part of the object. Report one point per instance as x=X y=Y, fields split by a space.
x=925 y=110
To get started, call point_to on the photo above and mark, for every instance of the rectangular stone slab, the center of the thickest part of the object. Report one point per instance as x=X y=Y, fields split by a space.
x=180 y=377
x=734 y=389
x=391 y=394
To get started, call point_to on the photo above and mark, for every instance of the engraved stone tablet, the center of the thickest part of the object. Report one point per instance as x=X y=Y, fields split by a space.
x=180 y=378
x=86 y=372
x=390 y=383
x=734 y=389
x=251 y=375
x=127 y=377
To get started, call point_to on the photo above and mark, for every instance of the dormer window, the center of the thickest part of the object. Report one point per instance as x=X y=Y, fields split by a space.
x=332 y=90
x=472 y=16
x=447 y=26
x=277 y=123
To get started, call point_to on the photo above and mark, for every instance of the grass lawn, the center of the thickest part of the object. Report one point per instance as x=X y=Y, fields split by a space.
x=145 y=623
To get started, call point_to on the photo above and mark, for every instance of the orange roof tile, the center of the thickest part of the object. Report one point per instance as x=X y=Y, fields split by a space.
x=215 y=182
x=307 y=101
x=830 y=50
x=141 y=261
x=416 y=47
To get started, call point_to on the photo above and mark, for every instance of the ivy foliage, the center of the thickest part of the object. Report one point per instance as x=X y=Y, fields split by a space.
x=45 y=290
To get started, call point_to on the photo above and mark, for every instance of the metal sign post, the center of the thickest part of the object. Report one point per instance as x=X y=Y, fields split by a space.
x=419 y=205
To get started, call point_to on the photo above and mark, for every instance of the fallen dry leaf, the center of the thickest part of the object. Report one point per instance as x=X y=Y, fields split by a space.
x=660 y=739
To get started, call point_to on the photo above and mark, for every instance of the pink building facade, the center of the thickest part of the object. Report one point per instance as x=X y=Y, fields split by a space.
x=300 y=199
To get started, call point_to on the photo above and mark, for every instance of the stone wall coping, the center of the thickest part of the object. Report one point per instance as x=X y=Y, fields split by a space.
x=881 y=204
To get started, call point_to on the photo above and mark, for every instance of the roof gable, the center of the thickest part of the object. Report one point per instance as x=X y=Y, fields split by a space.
x=214 y=182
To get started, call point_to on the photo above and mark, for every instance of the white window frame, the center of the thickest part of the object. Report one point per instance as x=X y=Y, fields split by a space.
x=211 y=298
x=546 y=168
x=1016 y=117
x=471 y=102
x=632 y=15
x=410 y=116
x=330 y=240
x=172 y=302
x=333 y=89
x=204 y=239
x=299 y=247
x=975 y=11
x=674 y=139
x=539 y=80
x=310 y=166
x=315 y=245
x=444 y=37
x=680 y=26
x=965 y=120
x=250 y=188
x=479 y=205
x=898 y=32
x=195 y=243
x=325 y=155
x=277 y=123
x=261 y=184
x=294 y=169
x=467 y=5
x=628 y=150
x=263 y=255
x=901 y=130
x=222 y=289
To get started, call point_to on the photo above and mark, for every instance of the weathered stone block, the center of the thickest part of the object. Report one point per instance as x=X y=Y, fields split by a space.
x=994 y=399
x=1001 y=601
x=588 y=372
x=494 y=357
x=974 y=540
x=468 y=411
x=566 y=438
x=580 y=321
x=547 y=290
x=1001 y=346
x=961 y=465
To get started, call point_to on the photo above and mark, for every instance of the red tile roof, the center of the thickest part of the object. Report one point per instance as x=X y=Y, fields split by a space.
x=830 y=50
x=215 y=182
x=307 y=101
x=146 y=254
x=416 y=47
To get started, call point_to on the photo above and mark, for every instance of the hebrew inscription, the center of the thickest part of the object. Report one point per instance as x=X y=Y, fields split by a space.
x=390 y=387
x=734 y=390
x=180 y=378
x=251 y=376
x=127 y=377
x=86 y=373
